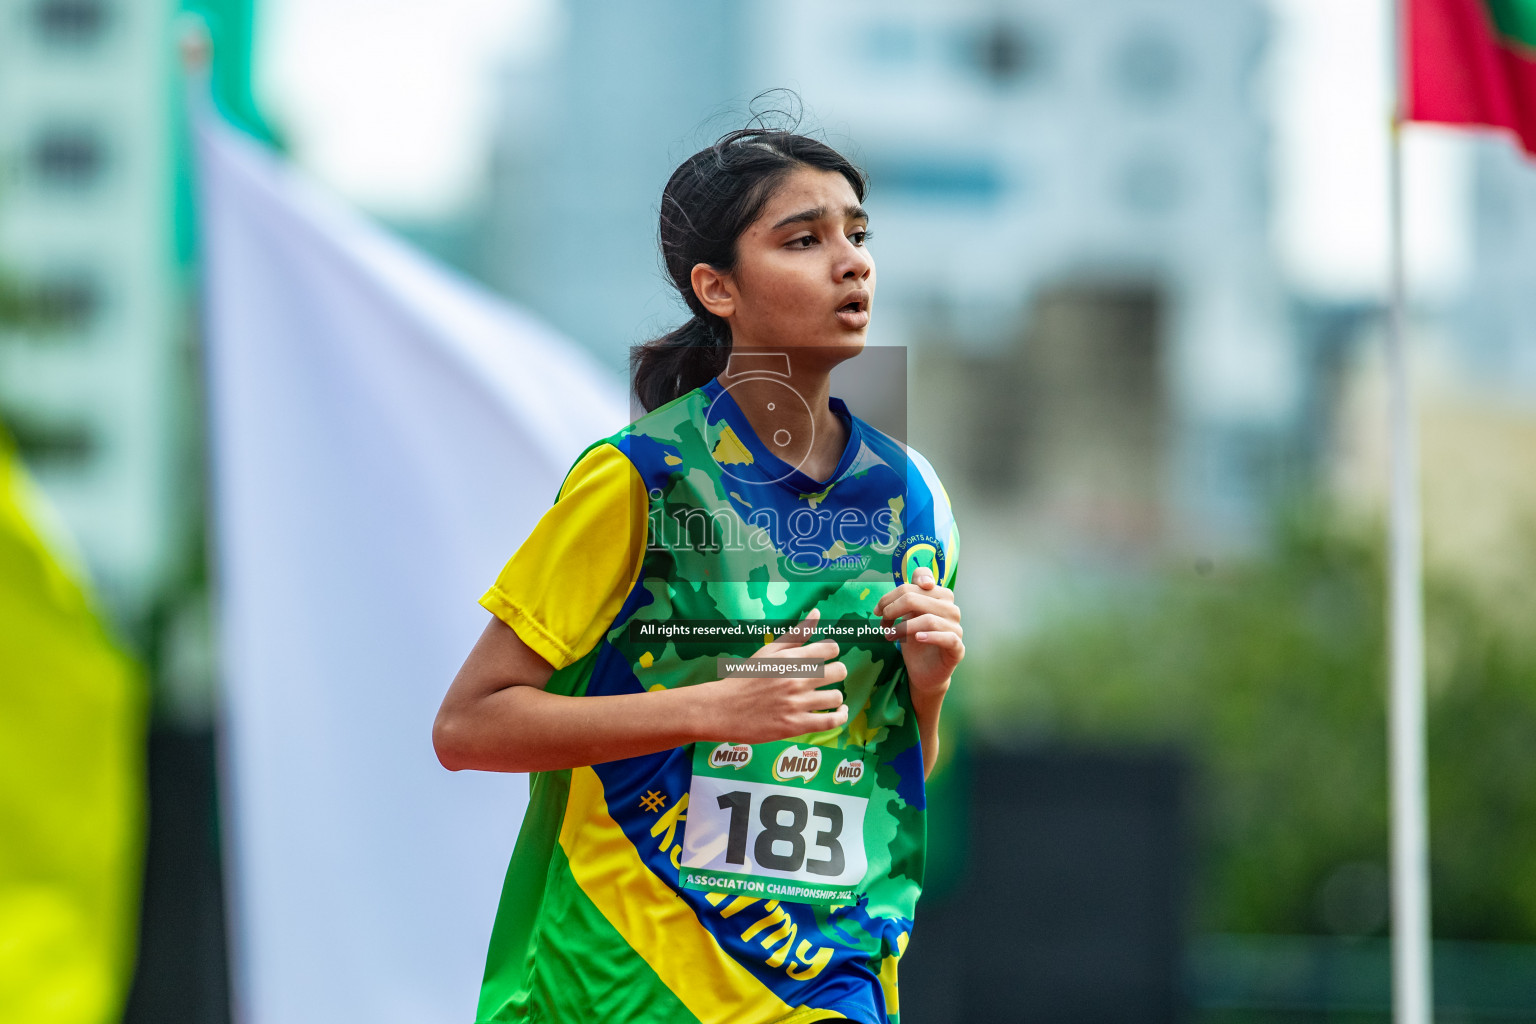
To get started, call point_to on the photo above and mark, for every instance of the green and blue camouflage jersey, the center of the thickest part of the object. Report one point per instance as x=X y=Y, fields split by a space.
x=594 y=922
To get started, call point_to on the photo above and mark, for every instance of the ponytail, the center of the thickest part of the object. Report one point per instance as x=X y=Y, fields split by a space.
x=679 y=361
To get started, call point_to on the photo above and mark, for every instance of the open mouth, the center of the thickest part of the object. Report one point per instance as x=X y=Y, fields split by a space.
x=854 y=314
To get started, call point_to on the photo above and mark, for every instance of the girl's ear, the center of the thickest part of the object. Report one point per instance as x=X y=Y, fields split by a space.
x=715 y=289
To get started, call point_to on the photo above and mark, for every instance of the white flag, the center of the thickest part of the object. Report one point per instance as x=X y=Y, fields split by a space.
x=384 y=435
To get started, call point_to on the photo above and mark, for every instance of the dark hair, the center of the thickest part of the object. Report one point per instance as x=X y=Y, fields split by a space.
x=708 y=202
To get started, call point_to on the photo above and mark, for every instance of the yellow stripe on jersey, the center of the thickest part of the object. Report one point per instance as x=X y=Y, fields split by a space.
x=655 y=921
x=564 y=585
x=806 y=1015
x=888 y=975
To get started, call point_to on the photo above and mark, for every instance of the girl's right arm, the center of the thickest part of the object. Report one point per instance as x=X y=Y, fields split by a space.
x=498 y=717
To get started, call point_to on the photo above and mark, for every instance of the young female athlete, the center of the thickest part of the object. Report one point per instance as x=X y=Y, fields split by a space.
x=703 y=844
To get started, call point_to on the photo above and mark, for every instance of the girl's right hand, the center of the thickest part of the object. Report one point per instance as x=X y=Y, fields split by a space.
x=760 y=709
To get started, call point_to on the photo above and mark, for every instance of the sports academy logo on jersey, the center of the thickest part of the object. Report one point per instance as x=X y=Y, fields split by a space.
x=918 y=551
x=731 y=755
x=793 y=763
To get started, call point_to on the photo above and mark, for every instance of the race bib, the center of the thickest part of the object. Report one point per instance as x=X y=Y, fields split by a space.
x=777 y=820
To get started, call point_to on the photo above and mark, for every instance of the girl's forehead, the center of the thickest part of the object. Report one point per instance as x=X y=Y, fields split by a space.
x=807 y=188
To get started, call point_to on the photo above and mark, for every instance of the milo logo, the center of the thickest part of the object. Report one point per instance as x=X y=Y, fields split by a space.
x=797 y=764
x=848 y=771
x=730 y=755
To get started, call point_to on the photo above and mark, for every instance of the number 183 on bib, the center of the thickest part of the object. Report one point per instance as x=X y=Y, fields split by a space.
x=777 y=820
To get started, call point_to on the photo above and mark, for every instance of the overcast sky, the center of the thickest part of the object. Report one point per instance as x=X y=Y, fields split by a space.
x=390 y=102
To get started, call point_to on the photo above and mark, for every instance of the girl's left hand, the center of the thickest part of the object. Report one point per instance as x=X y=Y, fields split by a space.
x=932 y=646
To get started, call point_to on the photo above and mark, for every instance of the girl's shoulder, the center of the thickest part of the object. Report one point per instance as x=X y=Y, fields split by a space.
x=927 y=515
x=923 y=483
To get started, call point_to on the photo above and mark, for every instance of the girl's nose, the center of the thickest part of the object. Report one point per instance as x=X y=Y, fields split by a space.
x=855 y=264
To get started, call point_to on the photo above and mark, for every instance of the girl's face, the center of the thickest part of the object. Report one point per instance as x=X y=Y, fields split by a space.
x=803 y=278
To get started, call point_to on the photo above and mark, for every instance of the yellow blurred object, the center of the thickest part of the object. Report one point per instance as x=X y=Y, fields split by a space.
x=72 y=766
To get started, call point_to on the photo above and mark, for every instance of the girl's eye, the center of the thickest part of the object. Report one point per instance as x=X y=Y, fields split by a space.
x=804 y=241
x=860 y=237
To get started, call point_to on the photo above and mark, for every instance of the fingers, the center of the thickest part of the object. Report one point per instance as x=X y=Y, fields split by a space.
x=823 y=700
x=794 y=637
x=915 y=603
x=821 y=650
x=943 y=639
x=822 y=721
x=833 y=672
x=932 y=624
x=935 y=592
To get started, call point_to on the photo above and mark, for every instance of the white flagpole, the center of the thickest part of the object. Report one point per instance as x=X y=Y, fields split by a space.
x=1412 y=1001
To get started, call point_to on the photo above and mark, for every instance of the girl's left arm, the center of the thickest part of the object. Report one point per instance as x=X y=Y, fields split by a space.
x=932 y=649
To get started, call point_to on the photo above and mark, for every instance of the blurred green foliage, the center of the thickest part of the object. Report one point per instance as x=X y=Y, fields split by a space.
x=1271 y=673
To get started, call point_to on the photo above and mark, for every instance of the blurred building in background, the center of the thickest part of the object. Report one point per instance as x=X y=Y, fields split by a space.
x=1071 y=217
x=591 y=131
x=86 y=228
x=1498 y=340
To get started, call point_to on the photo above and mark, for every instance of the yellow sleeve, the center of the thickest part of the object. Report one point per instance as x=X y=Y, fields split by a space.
x=562 y=588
